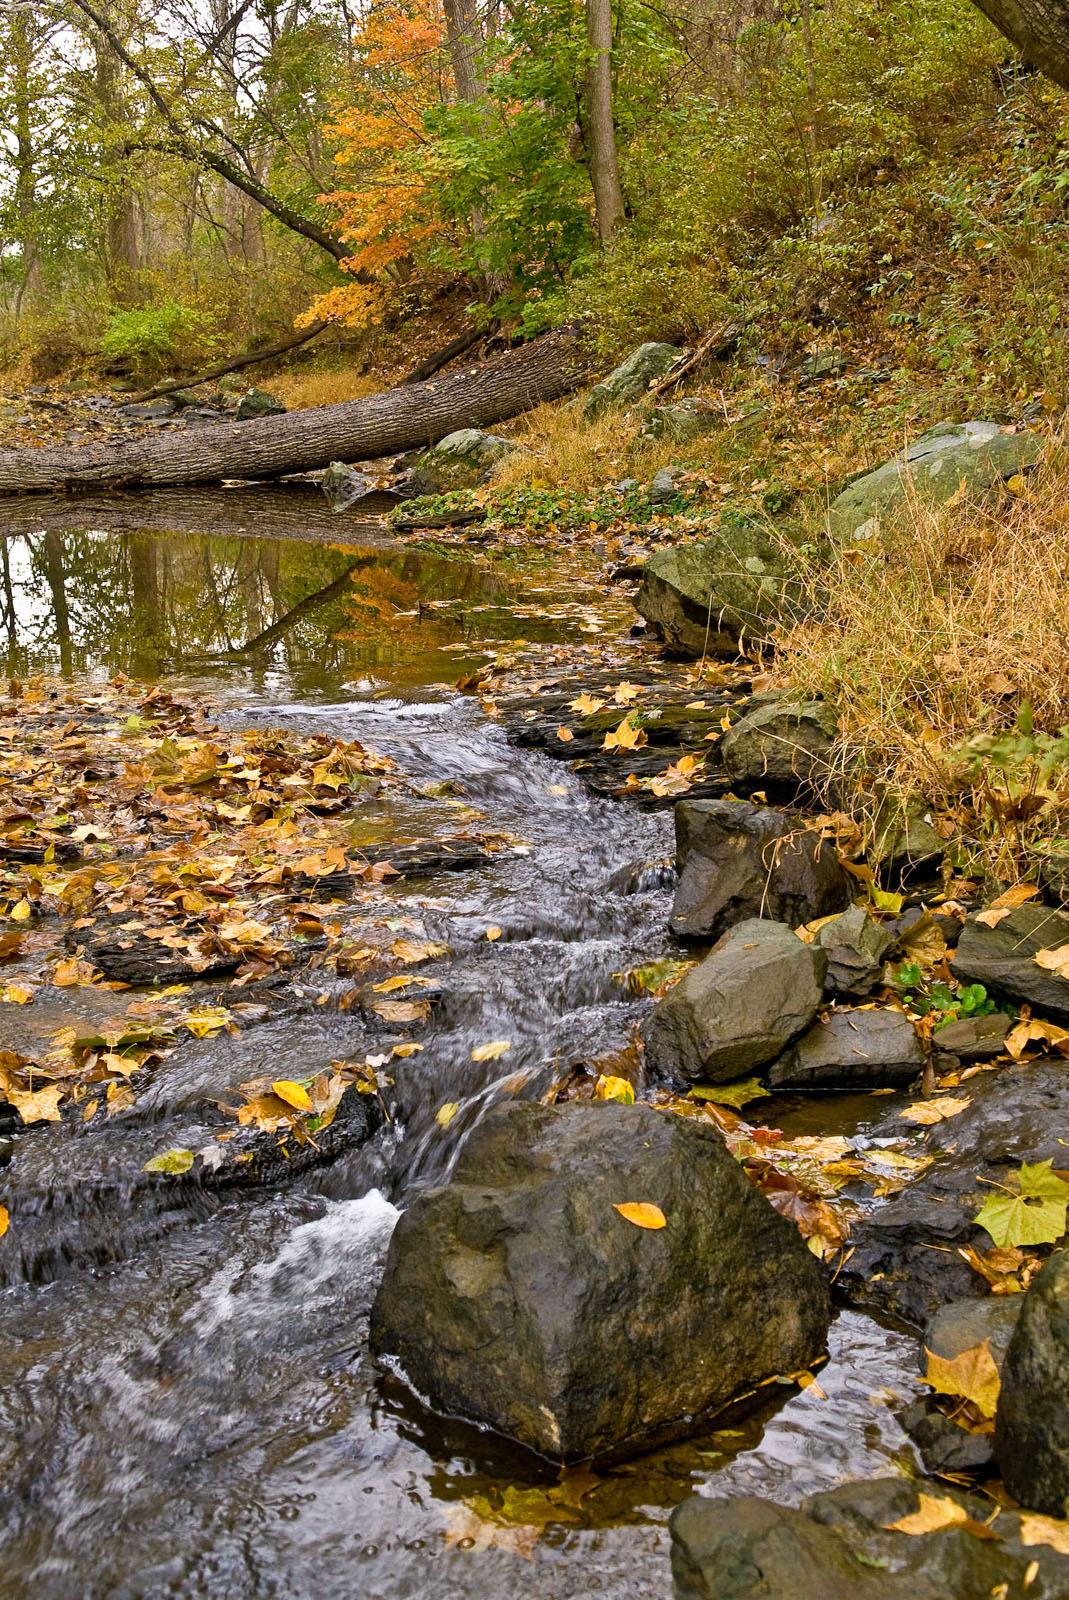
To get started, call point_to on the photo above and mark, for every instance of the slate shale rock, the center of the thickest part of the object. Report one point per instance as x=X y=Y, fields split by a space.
x=856 y=946
x=838 y=1546
x=736 y=860
x=739 y=1008
x=963 y=1324
x=945 y=1445
x=905 y=1259
x=705 y=598
x=974 y=1038
x=932 y=467
x=784 y=745
x=1032 y=1425
x=852 y=1050
x=1001 y=958
x=631 y=380
x=516 y=1296
x=133 y=956
x=906 y=850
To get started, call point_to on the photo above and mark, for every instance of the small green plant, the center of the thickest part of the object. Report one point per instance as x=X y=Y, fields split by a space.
x=968 y=1000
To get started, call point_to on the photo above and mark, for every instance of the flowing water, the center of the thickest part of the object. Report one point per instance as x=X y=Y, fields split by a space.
x=200 y=1418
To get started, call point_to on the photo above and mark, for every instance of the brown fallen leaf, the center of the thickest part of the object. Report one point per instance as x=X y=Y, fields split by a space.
x=565 y=735
x=5 y=1218
x=642 y=1214
x=1033 y=1030
x=1037 y=1529
x=973 y=1375
x=928 y=1112
x=493 y=933
x=933 y=1514
x=1056 y=961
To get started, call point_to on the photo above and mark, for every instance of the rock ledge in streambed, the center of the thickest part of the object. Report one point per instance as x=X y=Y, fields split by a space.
x=840 y=1545
x=905 y=1257
x=858 y=1049
x=705 y=599
x=737 y=860
x=1002 y=958
x=518 y=1297
x=739 y=1009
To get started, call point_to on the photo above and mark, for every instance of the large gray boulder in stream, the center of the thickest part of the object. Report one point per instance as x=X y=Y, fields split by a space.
x=847 y=1544
x=933 y=468
x=736 y=861
x=704 y=599
x=631 y=379
x=518 y=1296
x=1032 y=1424
x=739 y=1009
x=1002 y=958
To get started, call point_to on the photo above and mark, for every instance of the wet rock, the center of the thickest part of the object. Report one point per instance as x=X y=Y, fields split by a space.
x=851 y=1050
x=516 y=1295
x=933 y=467
x=344 y=486
x=974 y=1038
x=258 y=403
x=680 y=420
x=736 y=860
x=1001 y=958
x=132 y=956
x=905 y=849
x=963 y=1324
x=905 y=1259
x=944 y=1445
x=840 y=1546
x=784 y=745
x=1032 y=1425
x=856 y=946
x=149 y=410
x=664 y=486
x=631 y=379
x=705 y=598
x=739 y=1008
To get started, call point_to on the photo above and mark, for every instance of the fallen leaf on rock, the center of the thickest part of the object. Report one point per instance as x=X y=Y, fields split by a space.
x=642 y=1214
x=933 y=1514
x=586 y=705
x=627 y=736
x=74 y=973
x=993 y=915
x=973 y=1375
x=1056 y=961
x=40 y=1105
x=928 y=1112
x=402 y=1010
x=1036 y=1529
x=293 y=1094
x=1033 y=1030
x=173 y=1161
x=1036 y=1215
x=1019 y=895
x=565 y=735
x=626 y=693
x=492 y=1051
x=618 y=1089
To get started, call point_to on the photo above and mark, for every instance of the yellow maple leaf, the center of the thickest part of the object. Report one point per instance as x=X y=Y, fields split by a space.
x=626 y=693
x=625 y=737
x=492 y=1051
x=972 y=1374
x=932 y=1513
x=586 y=705
x=928 y=1112
x=1033 y=1030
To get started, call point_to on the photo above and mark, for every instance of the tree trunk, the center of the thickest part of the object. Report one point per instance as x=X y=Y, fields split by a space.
x=355 y=430
x=604 y=168
x=1039 y=29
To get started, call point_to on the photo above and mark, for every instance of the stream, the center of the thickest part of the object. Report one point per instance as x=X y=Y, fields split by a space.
x=201 y=1418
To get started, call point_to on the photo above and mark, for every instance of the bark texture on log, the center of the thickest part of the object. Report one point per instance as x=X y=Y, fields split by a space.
x=301 y=441
x=1039 y=29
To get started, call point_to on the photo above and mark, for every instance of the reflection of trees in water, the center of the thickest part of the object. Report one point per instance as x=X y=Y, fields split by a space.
x=148 y=603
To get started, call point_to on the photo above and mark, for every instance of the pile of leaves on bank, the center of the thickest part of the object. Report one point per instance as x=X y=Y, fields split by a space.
x=137 y=837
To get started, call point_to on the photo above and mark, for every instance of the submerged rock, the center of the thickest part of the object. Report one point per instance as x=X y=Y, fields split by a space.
x=784 y=745
x=1032 y=1425
x=1002 y=958
x=258 y=403
x=739 y=1008
x=842 y=1545
x=518 y=1296
x=705 y=598
x=631 y=379
x=905 y=1258
x=851 y=1050
x=856 y=946
x=736 y=861
x=977 y=454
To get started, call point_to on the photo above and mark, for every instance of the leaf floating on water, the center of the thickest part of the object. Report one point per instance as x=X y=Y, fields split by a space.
x=293 y=1094
x=556 y=788
x=929 y=1112
x=973 y=1375
x=1011 y=1219
x=492 y=1051
x=402 y=1010
x=5 y=1218
x=618 y=1089
x=17 y=994
x=408 y=952
x=445 y=1114
x=493 y=933
x=730 y=1094
x=173 y=1161
x=642 y=1214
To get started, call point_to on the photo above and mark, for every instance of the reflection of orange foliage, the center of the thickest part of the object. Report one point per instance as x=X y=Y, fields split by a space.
x=389 y=208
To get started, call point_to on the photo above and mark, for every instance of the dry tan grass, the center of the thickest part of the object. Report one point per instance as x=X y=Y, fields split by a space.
x=955 y=619
x=302 y=389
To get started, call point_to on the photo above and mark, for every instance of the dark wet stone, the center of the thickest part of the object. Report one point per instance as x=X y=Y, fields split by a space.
x=905 y=1258
x=974 y=1038
x=739 y=1008
x=856 y=946
x=944 y=1445
x=132 y=956
x=344 y=486
x=149 y=410
x=851 y=1050
x=1001 y=958
x=840 y=1546
x=906 y=850
x=783 y=746
x=1032 y=1425
x=516 y=1295
x=736 y=860
x=963 y=1324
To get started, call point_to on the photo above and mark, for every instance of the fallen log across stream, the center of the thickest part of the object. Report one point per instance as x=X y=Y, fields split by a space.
x=399 y=419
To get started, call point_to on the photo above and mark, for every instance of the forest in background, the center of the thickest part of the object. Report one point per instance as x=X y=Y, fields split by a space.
x=186 y=180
